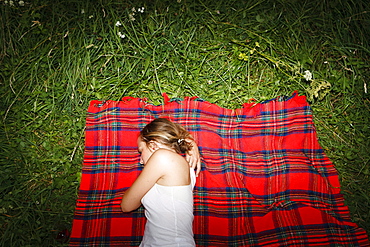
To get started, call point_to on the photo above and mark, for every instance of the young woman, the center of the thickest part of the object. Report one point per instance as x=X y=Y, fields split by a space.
x=165 y=185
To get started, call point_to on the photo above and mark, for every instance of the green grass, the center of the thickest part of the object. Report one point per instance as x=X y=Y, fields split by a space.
x=54 y=59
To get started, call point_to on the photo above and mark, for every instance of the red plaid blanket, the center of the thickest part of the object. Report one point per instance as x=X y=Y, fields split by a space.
x=265 y=180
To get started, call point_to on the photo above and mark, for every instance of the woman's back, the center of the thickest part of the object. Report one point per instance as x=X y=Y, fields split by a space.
x=175 y=167
x=169 y=213
x=165 y=185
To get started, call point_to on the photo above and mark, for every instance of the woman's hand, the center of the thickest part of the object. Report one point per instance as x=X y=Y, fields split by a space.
x=193 y=157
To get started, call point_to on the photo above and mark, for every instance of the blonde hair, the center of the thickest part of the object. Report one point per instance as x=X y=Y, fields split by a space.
x=167 y=133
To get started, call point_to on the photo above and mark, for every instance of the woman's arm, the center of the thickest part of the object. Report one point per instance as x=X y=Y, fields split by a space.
x=193 y=157
x=152 y=171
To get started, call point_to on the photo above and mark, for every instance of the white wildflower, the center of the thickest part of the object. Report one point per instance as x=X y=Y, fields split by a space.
x=133 y=9
x=131 y=17
x=5 y=2
x=121 y=35
x=118 y=23
x=91 y=16
x=82 y=11
x=21 y=3
x=141 y=10
x=11 y=3
x=307 y=75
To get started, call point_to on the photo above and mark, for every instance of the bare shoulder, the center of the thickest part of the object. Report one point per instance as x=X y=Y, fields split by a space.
x=173 y=166
x=164 y=156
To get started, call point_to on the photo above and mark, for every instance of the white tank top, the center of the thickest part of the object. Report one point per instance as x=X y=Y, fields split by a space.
x=169 y=213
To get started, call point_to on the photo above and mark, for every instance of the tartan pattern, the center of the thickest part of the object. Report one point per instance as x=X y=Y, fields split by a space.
x=265 y=180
